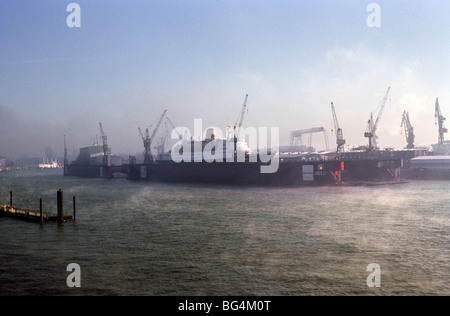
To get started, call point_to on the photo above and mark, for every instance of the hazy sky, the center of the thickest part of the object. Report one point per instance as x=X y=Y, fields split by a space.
x=131 y=59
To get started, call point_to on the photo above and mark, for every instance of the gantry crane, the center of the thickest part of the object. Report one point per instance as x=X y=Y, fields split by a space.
x=148 y=139
x=409 y=130
x=296 y=136
x=340 y=141
x=372 y=126
x=440 y=121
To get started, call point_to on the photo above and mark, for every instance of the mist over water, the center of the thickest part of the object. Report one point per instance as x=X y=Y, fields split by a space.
x=134 y=238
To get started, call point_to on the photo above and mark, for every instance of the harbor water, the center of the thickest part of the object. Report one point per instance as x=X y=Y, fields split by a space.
x=139 y=238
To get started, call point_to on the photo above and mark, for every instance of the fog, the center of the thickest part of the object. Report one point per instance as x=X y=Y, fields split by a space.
x=127 y=63
x=27 y=135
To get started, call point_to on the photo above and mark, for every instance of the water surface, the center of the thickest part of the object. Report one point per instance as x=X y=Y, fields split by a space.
x=134 y=238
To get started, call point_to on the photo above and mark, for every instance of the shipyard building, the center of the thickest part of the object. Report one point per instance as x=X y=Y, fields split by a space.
x=91 y=163
x=93 y=156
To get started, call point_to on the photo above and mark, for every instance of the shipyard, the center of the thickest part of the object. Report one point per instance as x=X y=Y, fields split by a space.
x=190 y=151
x=231 y=160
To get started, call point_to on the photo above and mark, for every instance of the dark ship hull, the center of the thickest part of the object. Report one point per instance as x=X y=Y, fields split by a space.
x=292 y=173
x=95 y=171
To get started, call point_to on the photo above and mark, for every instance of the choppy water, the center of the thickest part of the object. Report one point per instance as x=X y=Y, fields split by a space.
x=172 y=239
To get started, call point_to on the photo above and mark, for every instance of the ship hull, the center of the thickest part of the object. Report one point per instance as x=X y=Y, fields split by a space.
x=244 y=173
x=94 y=171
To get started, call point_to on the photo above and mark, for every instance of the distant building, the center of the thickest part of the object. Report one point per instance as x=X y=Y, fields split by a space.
x=93 y=156
x=2 y=163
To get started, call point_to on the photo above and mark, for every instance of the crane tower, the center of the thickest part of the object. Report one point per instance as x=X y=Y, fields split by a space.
x=340 y=141
x=372 y=126
x=106 y=152
x=409 y=130
x=240 y=120
x=148 y=139
x=440 y=121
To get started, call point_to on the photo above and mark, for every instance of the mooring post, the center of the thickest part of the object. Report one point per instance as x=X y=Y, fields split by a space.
x=59 y=202
x=74 y=208
x=40 y=210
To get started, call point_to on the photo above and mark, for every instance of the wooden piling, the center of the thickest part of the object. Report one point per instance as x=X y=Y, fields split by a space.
x=57 y=205
x=40 y=211
x=59 y=202
x=38 y=216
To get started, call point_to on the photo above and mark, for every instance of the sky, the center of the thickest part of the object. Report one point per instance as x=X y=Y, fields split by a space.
x=131 y=59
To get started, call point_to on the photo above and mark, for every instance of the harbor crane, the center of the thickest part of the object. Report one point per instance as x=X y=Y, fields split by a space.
x=409 y=130
x=372 y=126
x=240 y=120
x=160 y=147
x=440 y=121
x=180 y=136
x=106 y=149
x=148 y=139
x=340 y=141
x=145 y=138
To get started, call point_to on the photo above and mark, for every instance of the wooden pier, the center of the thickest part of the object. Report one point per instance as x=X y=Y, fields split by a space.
x=38 y=216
